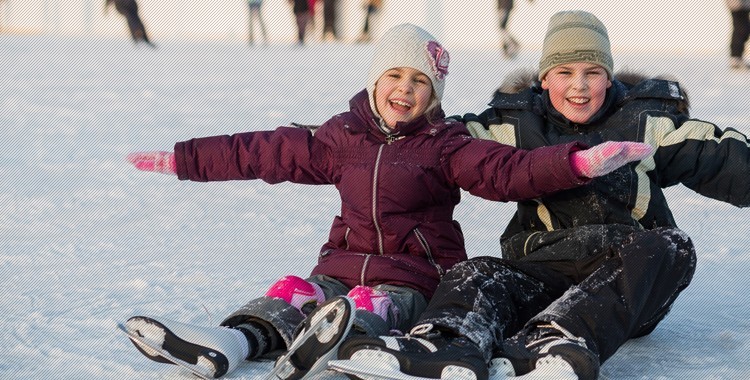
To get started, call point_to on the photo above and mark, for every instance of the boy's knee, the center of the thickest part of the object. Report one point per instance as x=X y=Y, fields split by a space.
x=667 y=247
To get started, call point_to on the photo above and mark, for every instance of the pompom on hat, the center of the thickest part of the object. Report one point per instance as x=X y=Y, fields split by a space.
x=408 y=45
x=575 y=36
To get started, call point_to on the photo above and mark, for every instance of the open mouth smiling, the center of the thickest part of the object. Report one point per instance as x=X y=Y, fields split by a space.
x=580 y=101
x=400 y=105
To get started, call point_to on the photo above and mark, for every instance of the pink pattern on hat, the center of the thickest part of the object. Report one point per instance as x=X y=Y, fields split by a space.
x=440 y=59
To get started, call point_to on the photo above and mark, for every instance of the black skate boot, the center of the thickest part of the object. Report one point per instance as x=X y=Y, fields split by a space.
x=423 y=354
x=551 y=352
x=208 y=352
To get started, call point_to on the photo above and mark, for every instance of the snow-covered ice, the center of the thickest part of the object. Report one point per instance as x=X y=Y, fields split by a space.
x=87 y=241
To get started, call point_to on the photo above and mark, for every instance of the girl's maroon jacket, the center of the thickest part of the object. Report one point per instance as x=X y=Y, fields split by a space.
x=397 y=192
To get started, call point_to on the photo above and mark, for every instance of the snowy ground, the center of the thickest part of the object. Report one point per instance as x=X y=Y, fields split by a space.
x=87 y=241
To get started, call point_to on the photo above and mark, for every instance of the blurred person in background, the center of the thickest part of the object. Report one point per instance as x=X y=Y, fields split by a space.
x=1 y=12
x=740 y=10
x=254 y=8
x=129 y=9
x=507 y=41
x=301 y=9
x=372 y=7
x=329 y=20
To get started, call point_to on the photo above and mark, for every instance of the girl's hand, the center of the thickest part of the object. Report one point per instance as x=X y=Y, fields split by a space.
x=608 y=156
x=156 y=161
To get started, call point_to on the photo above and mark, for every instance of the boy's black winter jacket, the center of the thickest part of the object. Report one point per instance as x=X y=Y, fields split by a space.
x=580 y=223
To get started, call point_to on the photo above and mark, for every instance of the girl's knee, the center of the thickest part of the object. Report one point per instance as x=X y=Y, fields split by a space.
x=298 y=292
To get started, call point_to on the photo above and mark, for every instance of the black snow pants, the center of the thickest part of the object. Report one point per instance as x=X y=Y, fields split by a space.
x=629 y=290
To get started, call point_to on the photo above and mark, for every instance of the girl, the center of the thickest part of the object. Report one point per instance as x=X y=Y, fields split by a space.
x=399 y=167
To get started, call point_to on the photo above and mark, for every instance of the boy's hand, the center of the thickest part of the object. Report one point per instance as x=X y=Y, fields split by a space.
x=157 y=161
x=608 y=156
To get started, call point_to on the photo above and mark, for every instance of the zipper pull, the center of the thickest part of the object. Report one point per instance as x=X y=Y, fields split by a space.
x=389 y=139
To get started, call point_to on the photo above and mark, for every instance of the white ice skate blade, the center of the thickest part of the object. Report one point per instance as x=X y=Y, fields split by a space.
x=549 y=368
x=379 y=365
x=166 y=355
x=501 y=369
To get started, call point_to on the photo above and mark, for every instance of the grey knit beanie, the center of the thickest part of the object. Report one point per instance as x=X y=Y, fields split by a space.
x=408 y=45
x=575 y=36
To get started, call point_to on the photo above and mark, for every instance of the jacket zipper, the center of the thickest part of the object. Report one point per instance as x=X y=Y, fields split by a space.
x=378 y=231
x=427 y=250
x=389 y=138
x=374 y=200
x=364 y=269
x=346 y=237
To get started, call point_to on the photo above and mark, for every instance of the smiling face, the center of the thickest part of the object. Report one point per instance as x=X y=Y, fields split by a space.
x=402 y=94
x=577 y=90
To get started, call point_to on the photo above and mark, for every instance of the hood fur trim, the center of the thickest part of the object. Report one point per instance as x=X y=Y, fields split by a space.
x=521 y=79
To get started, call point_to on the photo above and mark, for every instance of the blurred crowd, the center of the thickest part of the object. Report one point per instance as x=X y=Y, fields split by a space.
x=306 y=13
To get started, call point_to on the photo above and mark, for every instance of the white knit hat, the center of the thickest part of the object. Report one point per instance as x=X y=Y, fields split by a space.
x=408 y=45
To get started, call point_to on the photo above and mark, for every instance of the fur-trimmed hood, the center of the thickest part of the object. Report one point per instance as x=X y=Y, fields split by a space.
x=521 y=79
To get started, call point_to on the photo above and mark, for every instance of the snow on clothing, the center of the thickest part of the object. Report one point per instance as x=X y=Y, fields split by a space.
x=605 y=260
x=619 y=294
x=398 y=192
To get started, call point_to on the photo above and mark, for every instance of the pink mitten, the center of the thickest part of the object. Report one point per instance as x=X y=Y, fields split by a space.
x=608 y=156
x=158 y=161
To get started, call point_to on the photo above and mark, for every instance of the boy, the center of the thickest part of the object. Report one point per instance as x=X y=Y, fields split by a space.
x=585 y=269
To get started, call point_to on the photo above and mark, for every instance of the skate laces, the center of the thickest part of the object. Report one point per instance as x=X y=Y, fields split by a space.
x=420 y=330
x=551 y=340
x=425 y=331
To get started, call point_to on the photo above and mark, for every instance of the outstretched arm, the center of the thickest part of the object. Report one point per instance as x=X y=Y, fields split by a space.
x=499 y=172
x=285 y=154
x=711 y=161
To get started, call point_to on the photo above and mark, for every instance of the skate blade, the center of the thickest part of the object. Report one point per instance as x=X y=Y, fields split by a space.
x=380 y=365
x=549 y=367
x=365 y=371
x=148 y=347
x=372 y=365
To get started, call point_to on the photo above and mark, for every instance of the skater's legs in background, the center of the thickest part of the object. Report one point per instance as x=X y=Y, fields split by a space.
x=740 y=35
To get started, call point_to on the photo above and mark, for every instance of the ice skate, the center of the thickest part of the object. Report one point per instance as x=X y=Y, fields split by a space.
x=318 y=341
x=550 y=352
x=424 y=354
x=208 y=352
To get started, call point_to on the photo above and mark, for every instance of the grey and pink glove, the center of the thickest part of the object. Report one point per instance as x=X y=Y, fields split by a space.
x=608 y=156
x=156 y=161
